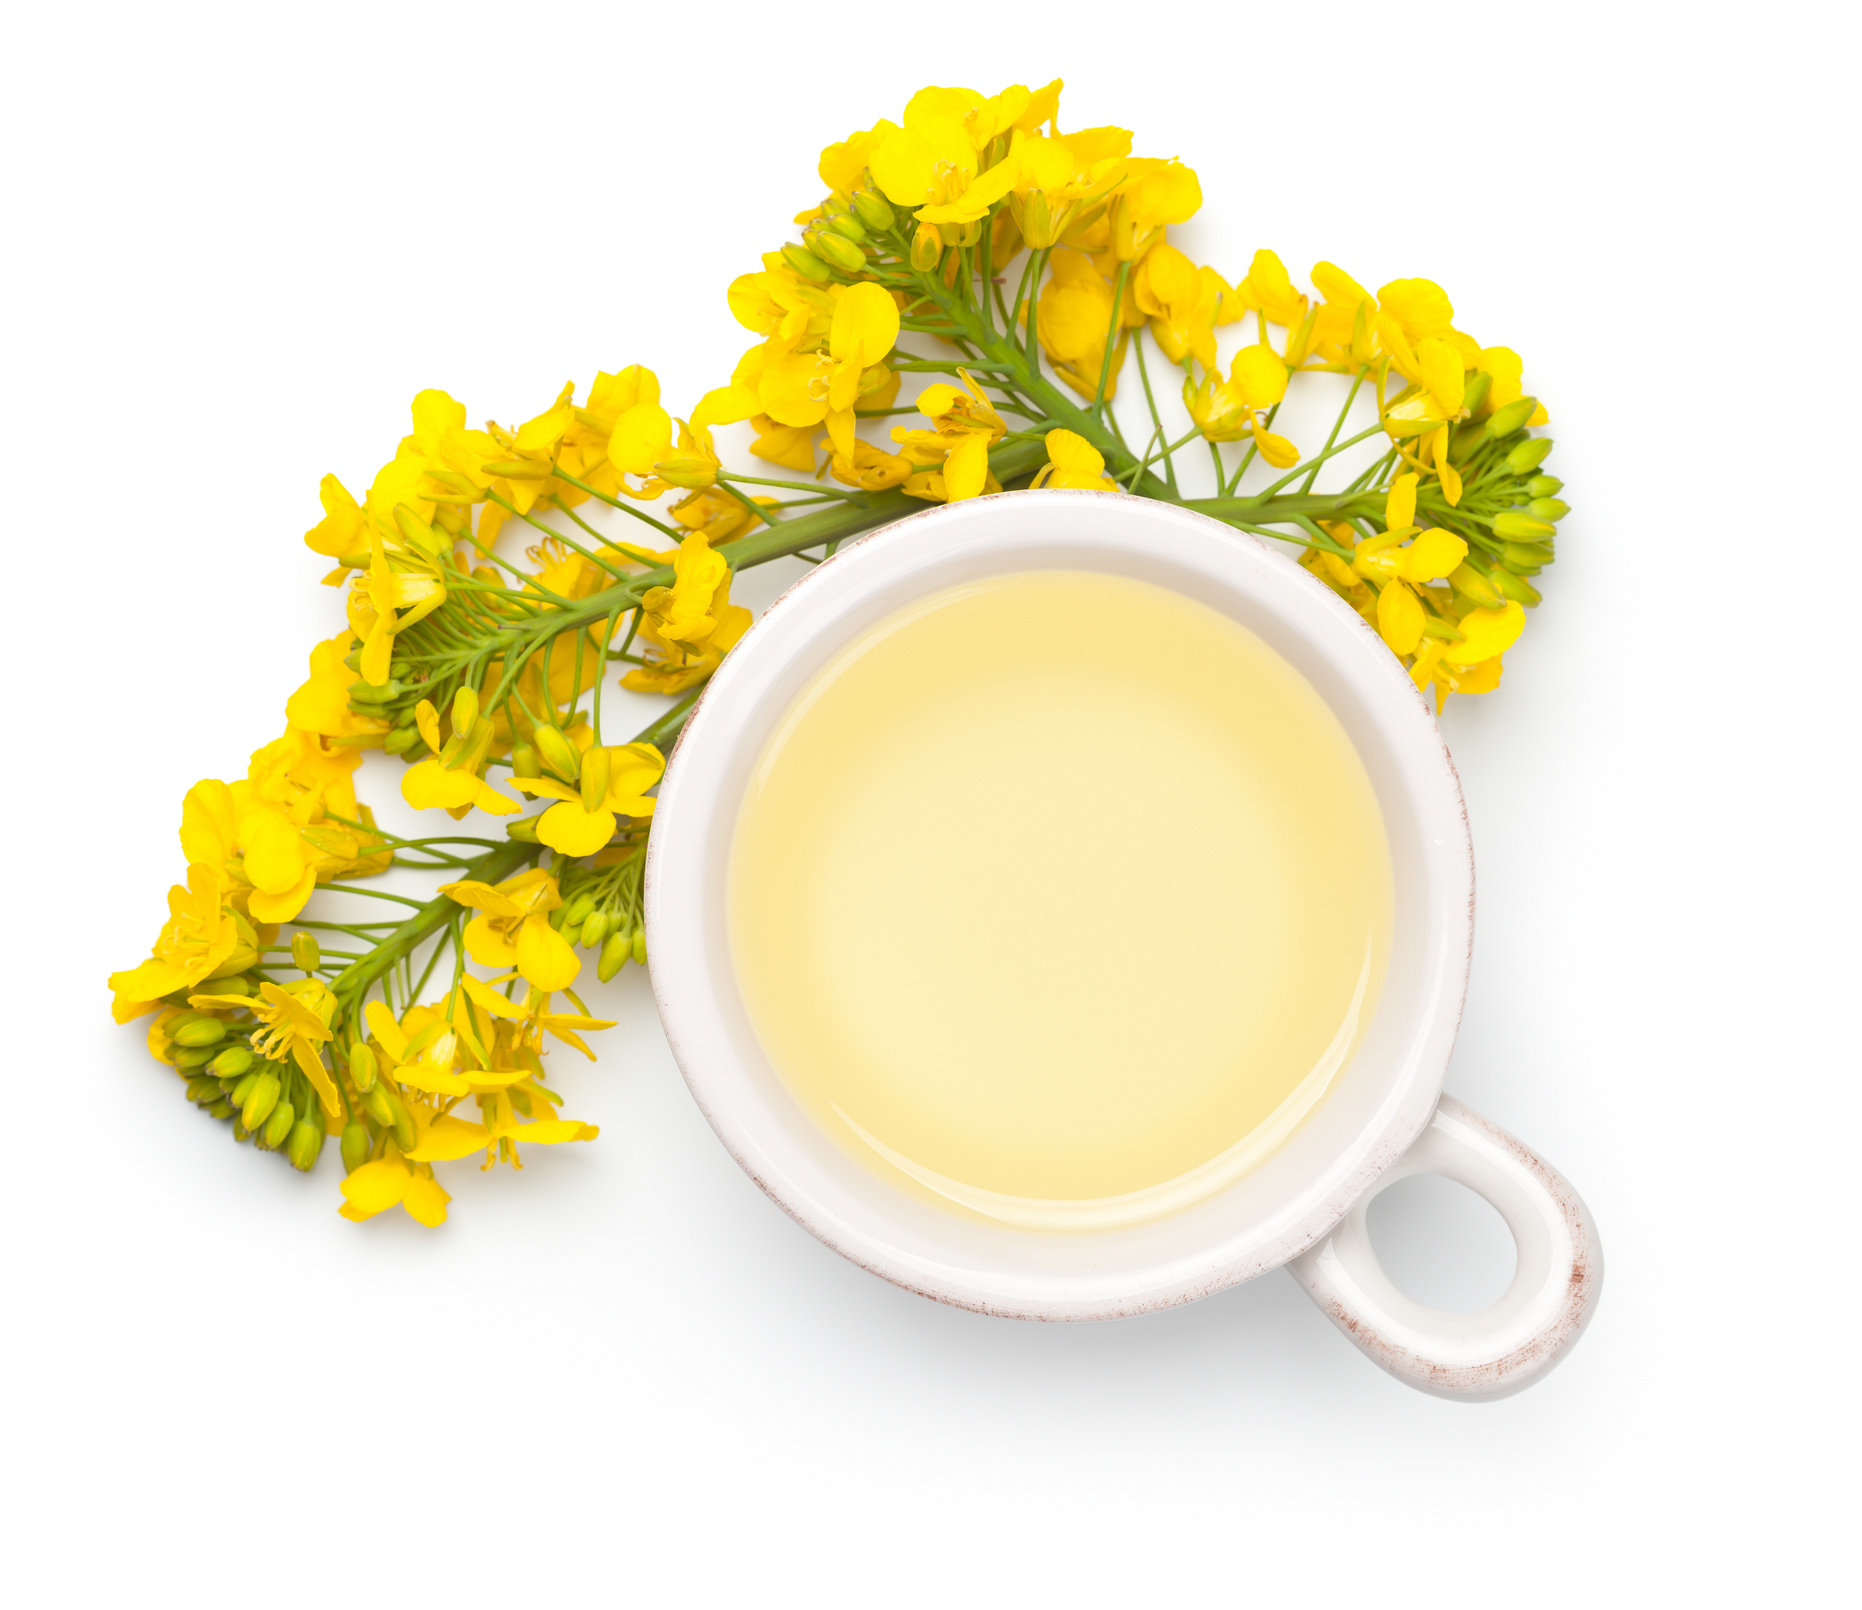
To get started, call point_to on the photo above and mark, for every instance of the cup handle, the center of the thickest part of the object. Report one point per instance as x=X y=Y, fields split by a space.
x=1508 y=1346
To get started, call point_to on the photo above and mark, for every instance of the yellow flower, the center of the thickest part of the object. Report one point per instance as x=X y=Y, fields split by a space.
x=1057 y=179
x=843 y=165
x=1268 y=289
x=1400 y=617
x=779 y=304
x=810 y=389
x=691 y=624
x=321 y=704
x=932 y=160
x=343 y=528
x=202 y=939
x=512 y=928
x=1433 y=553
x=967 y=427
x=447 y=1138
x=392 y=1181
x=1504 y=368
x=1073 y=461
x=1154 y=195
x=584 y=819
x=791 y=446
x=1486 y=634
x=431 y=783
x=228 y=828
x=871 y=468
x=1075 y=318
x=297 y=1018
x=379 y=592
x=1184 y=303
x=716 y=516
x=1227 y=411
x=1344 y=323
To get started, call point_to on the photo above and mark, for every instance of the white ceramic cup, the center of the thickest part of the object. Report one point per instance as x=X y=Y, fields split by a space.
x=1305 y=1204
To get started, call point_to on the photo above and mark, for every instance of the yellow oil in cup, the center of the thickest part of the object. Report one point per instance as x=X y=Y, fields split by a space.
x=1060 y=898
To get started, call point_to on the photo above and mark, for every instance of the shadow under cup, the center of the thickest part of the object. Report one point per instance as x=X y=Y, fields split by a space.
x=1377 y=1105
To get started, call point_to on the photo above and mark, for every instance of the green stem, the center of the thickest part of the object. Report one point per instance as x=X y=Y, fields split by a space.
x=493 y=867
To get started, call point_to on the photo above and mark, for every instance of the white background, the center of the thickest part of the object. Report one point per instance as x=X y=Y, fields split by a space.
x=241 y=238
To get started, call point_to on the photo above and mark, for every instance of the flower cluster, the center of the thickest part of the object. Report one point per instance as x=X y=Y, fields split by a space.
x=497 y=579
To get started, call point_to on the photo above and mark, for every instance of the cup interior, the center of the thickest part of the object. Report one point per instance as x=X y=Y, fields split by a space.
x=1380 y=1102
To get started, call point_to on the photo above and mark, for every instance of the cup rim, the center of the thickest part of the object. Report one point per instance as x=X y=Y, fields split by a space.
x=704 y=1024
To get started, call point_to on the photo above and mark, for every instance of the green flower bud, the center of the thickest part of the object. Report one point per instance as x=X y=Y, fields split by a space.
x=805 y=263
x=594 y=928
x=355 y=1146
x=597 y=769
x=260 y=1099
x=518 y=469
x=304 y=1145
x=362 y=1067
x=203 y=1092
x=1528 y=455
x=579 y=908
x=387 y=693
x=193 y=1056
x=846 y=224
x=1513 y=526
x=278 y=1127
x=1037 y=219
x=640 y=946
x=522 y=829
x=1549 y=508
x=238 y=984
x=465 y=709
x=376 y=1104
x=873 y=209
x=1544 y=486
x=417 y=533
x=843 y=254
x=927 y=248
x=223 y=1108
x=1475 y=392
x=400 y=1119
x=614 y=954
x=240 y=1132
x=1515 y=587
x=1474 y=587
x=571 y=932
x=1505 y=421
x=305 y=951
x=400 y=740
x=243 y=955
x=558 y=753
x=192 y=1029
x=1525 y=558
x=524 y=762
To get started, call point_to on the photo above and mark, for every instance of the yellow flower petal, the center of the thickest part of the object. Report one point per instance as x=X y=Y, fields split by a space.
x=1486 y=634
x=1400 y=504
x=573 y=830
x=426 y=1200
x=374 y=1187
x=866 y=324
x=966 y=470
x=642 y=436
x=1399 y=618
x=1277 y=450
x=282 y=907
x=1435 y=553
x=1259 y=375
x=544 y=957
